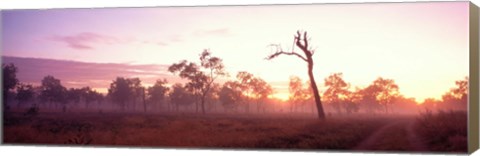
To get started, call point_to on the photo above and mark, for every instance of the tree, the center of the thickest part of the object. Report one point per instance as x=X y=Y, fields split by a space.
x=368 y=98
x=91 y=96
x=75 y=95
x=137 y=90
x=337 y=92
x=157 y=92
x=388 y=92
x=261 y=91
x=230 y=95
x=201 y=77
x=297 y=95
x=181 y=96
x=9 y=81
x=245 y=81
x=120 y=91
x=25 y=93
x=53 y=92
x=457 y=97
x=302 y=43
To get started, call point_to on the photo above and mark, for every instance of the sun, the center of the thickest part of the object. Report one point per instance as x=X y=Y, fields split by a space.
x=281 y=96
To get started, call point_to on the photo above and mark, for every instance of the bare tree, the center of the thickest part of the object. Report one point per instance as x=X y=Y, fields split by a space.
x=302 y=43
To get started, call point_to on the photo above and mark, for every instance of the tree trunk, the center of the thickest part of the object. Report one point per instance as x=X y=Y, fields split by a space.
x=143 y=100
x=203 y=104
x=316 y=94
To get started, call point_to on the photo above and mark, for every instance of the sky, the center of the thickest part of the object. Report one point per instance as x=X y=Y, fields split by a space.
x=422 y=46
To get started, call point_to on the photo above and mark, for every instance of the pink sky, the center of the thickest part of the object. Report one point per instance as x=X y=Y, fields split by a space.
x=422 y=46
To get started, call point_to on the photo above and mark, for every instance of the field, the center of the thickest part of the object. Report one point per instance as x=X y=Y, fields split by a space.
x=361 y=133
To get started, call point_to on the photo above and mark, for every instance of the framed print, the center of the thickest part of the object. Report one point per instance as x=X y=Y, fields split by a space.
x=358 y=77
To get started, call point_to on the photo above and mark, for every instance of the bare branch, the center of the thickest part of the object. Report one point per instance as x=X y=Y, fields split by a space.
x=285 y=53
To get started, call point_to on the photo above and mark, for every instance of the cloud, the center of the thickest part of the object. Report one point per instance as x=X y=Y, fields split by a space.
x=84 y=40
x=213 y=32
x=80 y=74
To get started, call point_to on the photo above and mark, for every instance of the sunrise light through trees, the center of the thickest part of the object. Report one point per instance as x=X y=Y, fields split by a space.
x=239 y=71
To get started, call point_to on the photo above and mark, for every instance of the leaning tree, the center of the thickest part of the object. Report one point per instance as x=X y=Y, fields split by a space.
x=301 y=41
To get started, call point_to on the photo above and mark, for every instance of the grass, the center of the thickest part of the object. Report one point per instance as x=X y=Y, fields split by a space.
x=444 y=131
x=191 y=131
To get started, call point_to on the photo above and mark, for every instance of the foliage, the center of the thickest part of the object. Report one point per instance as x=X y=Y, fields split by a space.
x=444 y=131
x=25 y=93
x=201 y=78
x=120 y=91
x=158 y=91
x=9 y=78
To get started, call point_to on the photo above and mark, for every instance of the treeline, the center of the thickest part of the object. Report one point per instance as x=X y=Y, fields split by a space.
x=381 y=96
x=246 y=93
x=201 y=92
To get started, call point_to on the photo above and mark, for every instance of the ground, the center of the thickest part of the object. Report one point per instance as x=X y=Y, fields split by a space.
x=360 y=133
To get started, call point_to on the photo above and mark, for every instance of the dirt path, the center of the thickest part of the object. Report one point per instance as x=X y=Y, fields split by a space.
x=395 y=136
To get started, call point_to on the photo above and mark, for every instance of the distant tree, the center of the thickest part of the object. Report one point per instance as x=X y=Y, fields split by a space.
x=456 y=98
x=75 y=95
x=120 y=91
x=9 y=81
x=430 y=104
x=261 y=90
x=212 y=98
x=297 y=95
x=352 y=101
x=25 y=93
x=53 y=92
x=157 y=93
x=246 y=83
x=230 y=95
x=90 y=96
x=201 y=77
x=368 y=98
x=137 y=90
x=404 y=104
x=388 y=91
x=337 y=92
x=180 y=96
x=302 y=43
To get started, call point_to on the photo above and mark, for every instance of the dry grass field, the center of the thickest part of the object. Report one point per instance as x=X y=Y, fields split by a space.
x=361 y=133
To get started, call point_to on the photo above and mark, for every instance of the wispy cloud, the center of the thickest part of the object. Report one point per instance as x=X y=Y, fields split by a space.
x=213 y=32
x=84 y=40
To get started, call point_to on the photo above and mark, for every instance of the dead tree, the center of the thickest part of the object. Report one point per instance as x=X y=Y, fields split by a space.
x=302 y=43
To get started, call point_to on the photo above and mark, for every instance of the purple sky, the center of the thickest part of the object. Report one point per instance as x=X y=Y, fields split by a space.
x=422 y=46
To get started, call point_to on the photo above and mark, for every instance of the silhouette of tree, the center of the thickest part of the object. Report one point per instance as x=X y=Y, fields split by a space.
x=181 y=96
x=120 y=91
x=246 y=81
x=261 y=91
x=230 y=95
x=302 y=42
x=137 y=90
x=457 y=97
x=388 y=92
x=369 y=98
x=9 y=81
x=25 y=93
x=91 y=96
x=201 y=82
x=337 y=92
x=53 y=92
x=157 y=93
x=75 y=95
x=297 y=92
x=430 y=104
